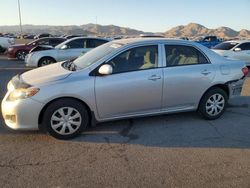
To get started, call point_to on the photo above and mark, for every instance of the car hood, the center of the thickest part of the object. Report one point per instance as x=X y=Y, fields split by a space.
x=49 y=73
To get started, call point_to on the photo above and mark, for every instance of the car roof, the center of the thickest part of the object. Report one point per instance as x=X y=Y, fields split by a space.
x=238 y=41
x=156 y=40
x=89 y=37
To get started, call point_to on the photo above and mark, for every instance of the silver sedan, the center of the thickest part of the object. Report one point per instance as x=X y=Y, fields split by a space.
x=69 y=49
x=122 y=79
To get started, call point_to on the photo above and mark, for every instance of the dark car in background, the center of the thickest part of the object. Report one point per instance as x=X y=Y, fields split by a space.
x=43 y=35
x=19 y=51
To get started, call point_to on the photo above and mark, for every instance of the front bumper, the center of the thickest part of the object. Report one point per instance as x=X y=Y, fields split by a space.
x=21 y=114
x=10 y=53
x=29 y=61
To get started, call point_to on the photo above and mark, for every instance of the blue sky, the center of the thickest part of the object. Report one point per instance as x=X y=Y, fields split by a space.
x=146 y=15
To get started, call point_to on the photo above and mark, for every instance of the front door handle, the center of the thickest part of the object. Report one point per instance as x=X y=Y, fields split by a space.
x=205 y=72
x=154 y=77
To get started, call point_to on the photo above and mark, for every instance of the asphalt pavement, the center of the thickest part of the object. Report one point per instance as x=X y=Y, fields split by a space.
x=178 y=150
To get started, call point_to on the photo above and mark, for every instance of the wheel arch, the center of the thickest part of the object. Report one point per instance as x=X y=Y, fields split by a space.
x=41 y=114
x=224 y=87
x=50 y=57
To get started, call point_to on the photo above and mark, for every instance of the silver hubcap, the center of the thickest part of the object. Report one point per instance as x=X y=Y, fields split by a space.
x=215 y=104
x=46 y=62
x=21 y=55
x=66 y=121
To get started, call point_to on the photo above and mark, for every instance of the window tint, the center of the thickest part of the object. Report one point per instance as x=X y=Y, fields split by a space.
x=177 y=55
x=245 y=46
x=54 y=42
x=43 y=42
x=93 y=43
x=78 y=43
x=139 y=58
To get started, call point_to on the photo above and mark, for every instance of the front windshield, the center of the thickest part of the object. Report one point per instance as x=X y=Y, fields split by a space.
x=225 y=46
x=96 y=54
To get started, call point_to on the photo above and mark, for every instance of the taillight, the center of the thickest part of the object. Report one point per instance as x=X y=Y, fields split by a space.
x=245 y=71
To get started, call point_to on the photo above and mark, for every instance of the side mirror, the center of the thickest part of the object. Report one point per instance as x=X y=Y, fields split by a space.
x=64 y=47
x=105 y=69
x=237 y=49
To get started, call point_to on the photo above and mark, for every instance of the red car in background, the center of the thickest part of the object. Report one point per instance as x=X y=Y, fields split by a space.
x=19 y=51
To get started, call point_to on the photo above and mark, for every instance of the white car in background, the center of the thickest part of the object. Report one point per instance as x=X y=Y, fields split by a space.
x=6 y=42
x=67 y=50
x=237 y=49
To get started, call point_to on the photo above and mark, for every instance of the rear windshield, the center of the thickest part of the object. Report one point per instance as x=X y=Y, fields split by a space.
x=225 y=46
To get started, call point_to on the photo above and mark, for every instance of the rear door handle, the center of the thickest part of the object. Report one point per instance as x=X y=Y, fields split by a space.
x=205 y=72
x=154 y=77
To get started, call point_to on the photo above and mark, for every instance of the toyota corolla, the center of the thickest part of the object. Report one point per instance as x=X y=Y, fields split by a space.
x=122 y=79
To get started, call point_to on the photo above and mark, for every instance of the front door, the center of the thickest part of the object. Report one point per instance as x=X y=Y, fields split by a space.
x=134 y=87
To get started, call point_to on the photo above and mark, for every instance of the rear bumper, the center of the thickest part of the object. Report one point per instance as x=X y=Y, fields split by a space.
x=235 y=88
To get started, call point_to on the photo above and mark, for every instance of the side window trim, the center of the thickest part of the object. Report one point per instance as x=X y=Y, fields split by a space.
x=189 y=45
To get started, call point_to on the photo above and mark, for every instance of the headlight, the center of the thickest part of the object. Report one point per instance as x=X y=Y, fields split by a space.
x=10 y=49
x=22 y=93
x=10 y=86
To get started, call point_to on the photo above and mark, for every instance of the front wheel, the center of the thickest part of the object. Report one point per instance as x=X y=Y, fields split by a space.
x=65 y=118
x=213 y=104
x=20 y=55
x=45 y=61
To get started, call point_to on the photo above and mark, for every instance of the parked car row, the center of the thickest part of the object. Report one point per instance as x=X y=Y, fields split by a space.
x=69 y=49
x=19 y=51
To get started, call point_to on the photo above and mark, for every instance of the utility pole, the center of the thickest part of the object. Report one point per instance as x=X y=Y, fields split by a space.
x=96 y=25
x=20 y=18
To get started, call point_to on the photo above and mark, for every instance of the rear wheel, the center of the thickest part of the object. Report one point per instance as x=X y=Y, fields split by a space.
x=20 y=55
x=65 y=118
x=45 y=61
x=213 y=104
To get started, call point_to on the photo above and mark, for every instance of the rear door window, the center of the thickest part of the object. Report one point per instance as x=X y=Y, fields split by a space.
x=179 y=55
x=93 y=43
x=78 y=43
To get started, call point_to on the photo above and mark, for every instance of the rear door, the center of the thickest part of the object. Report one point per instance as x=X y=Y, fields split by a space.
x=188 y=74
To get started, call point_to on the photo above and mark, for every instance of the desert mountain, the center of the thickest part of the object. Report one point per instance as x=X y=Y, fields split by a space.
x=191 y=30
x=194 y=30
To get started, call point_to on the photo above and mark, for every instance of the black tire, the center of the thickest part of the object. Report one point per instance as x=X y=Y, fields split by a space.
x=2 y=50
x=20 y=55
x=52 y=111
x=46 y=61
x=206 y=108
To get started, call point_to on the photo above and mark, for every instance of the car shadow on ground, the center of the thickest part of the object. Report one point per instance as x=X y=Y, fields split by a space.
x=232 y=130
